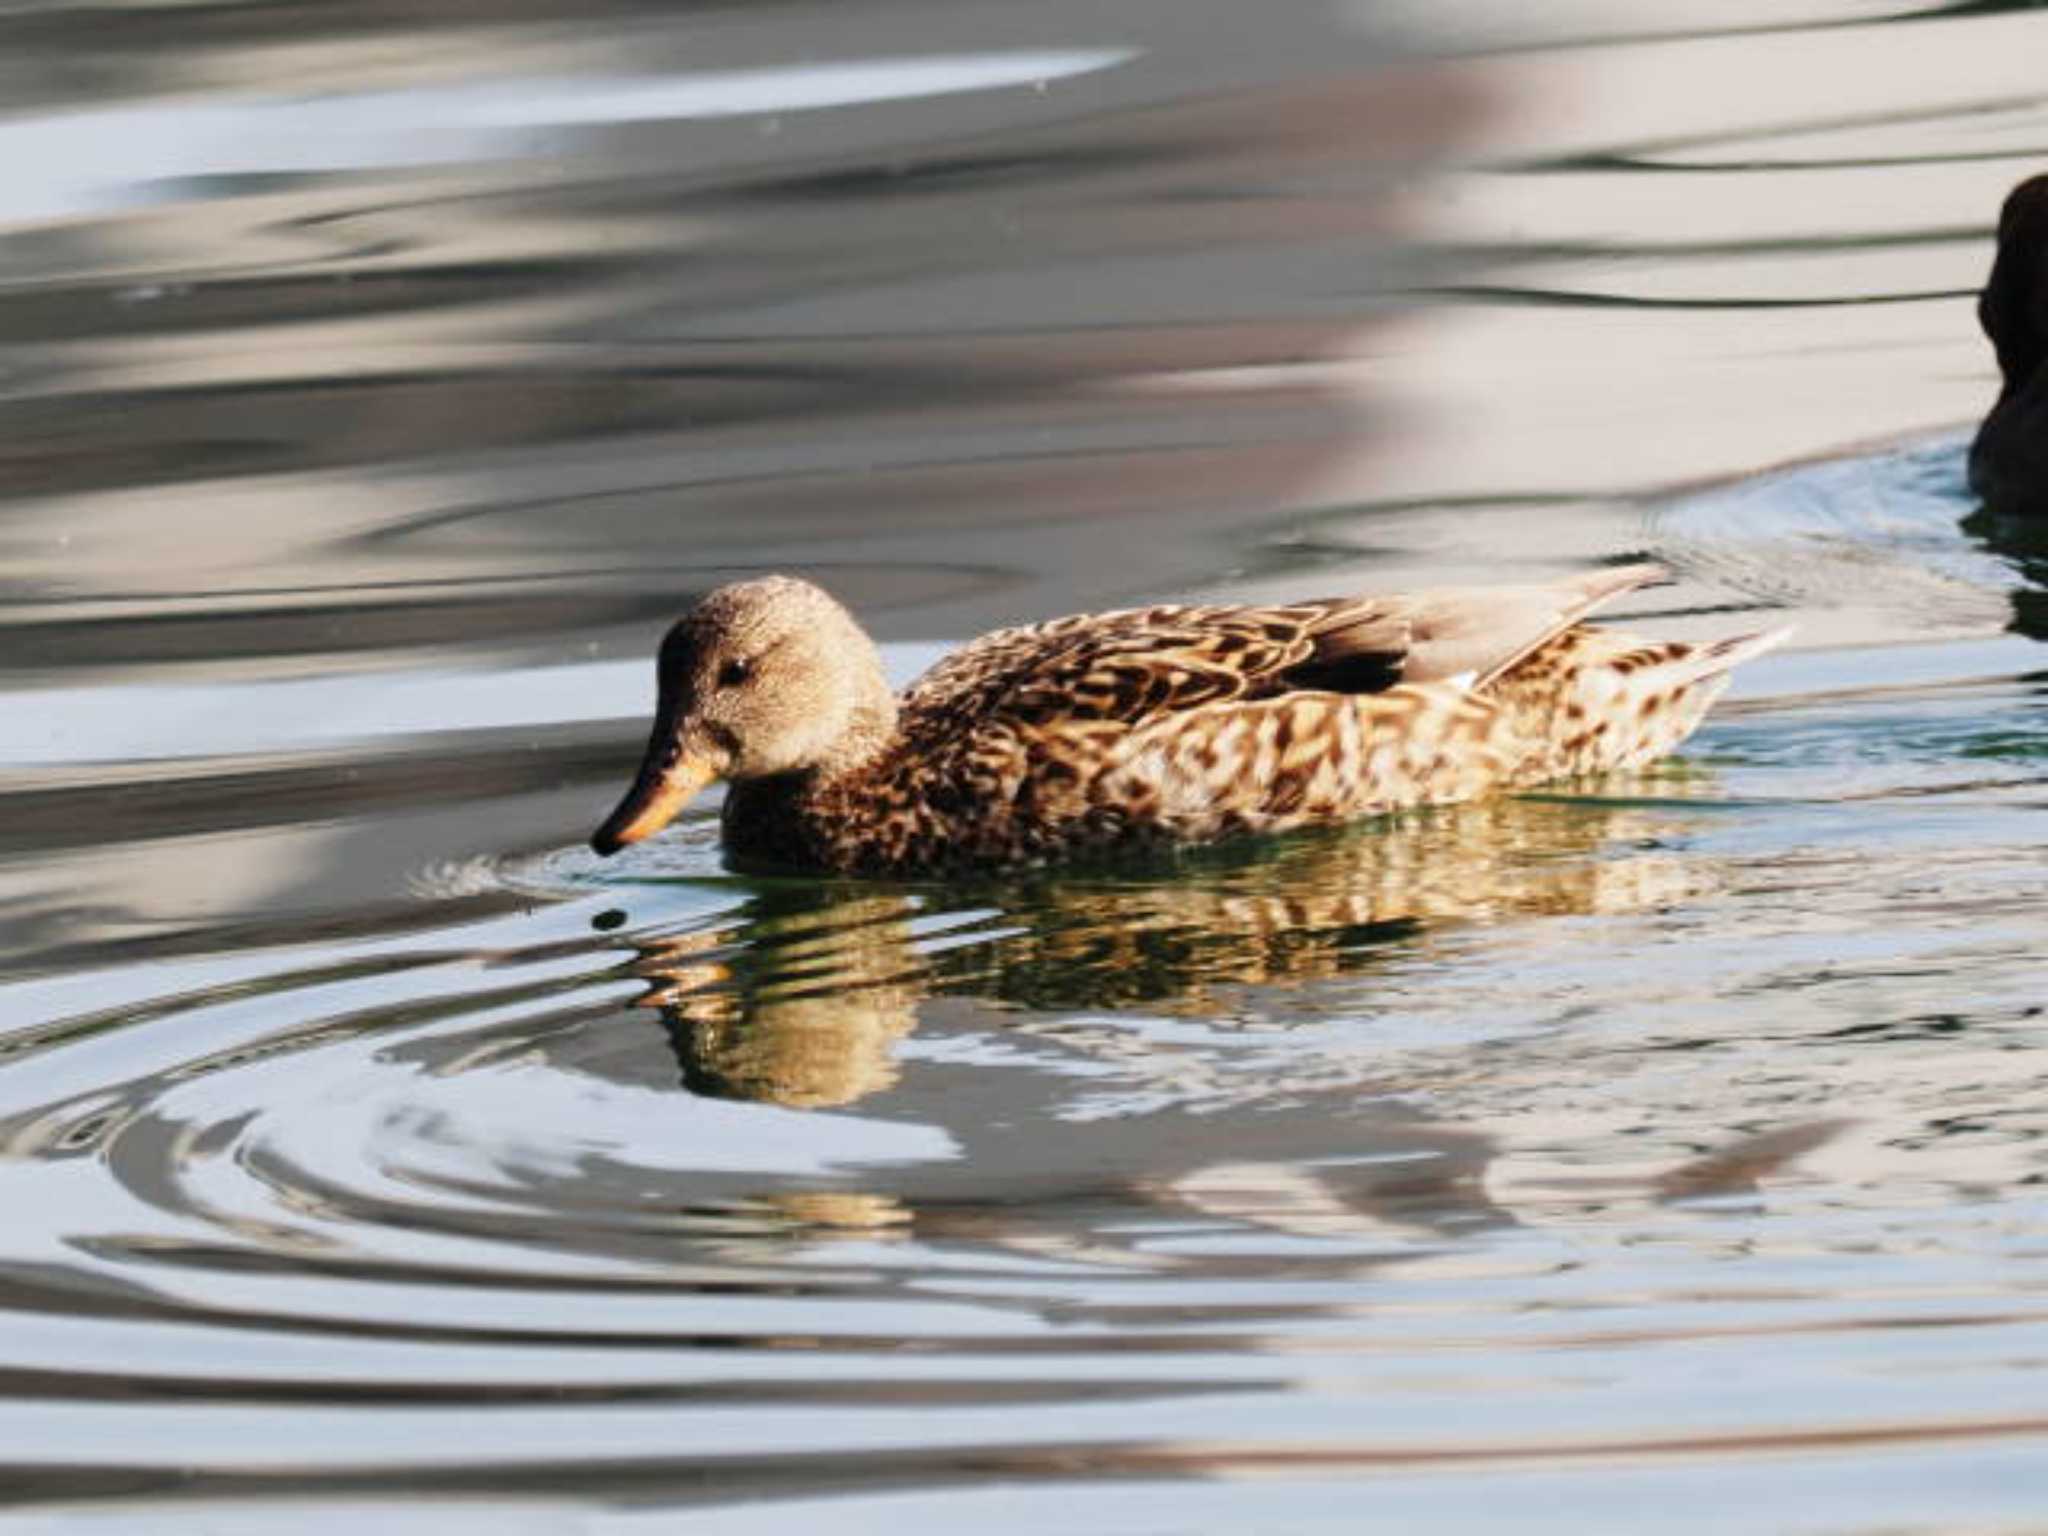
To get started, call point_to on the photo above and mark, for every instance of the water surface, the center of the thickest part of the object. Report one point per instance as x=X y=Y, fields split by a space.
x=375 y=389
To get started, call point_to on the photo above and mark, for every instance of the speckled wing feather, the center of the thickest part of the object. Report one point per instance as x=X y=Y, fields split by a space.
x=1495 y=689
x=1476 y=634
x=1191 y=722
x=1140 y=663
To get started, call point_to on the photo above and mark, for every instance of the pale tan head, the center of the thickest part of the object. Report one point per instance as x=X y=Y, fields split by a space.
x=761 y=678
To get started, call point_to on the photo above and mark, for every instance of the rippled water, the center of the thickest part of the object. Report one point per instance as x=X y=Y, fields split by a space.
x=376 y=384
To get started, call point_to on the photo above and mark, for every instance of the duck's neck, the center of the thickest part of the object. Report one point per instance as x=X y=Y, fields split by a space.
x=2020 y=354
x=2013 y=308
x=869 y=733
x=800 y=819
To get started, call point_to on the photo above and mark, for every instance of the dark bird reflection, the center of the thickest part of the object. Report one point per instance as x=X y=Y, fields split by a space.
x=801 y=999
x=2022 y=542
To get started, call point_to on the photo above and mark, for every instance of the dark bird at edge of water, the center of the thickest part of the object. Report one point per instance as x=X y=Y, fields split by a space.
x=2009 y=459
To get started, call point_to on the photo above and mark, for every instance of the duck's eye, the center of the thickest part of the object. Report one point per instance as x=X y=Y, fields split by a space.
x=733 y=673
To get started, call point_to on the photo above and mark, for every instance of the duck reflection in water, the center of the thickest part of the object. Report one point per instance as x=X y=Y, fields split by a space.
x=808 y=1000
x=802 y=1000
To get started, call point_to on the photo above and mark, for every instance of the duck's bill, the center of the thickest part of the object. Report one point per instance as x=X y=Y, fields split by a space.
x=653 y=802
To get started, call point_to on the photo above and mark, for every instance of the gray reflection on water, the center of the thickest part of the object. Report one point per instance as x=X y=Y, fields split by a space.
x=510 y=412
x=521 y=406
x=94 y=159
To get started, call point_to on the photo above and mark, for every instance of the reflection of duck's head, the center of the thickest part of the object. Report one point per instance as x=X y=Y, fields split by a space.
x=761 y=678
x=2009 y=461
x=800 y=1004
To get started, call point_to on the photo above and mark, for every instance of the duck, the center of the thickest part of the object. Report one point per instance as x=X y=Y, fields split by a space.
x=2009 y=456
x=1151 y=728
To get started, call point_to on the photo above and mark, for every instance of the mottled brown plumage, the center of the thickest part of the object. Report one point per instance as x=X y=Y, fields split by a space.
x=1154 y=726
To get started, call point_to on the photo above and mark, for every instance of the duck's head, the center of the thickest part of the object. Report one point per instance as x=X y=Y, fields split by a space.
x=2014 y=307
x=761 y=678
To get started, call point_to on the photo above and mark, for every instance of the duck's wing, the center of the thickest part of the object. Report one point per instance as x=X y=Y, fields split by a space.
x=1141 y=664
x=1475 y=634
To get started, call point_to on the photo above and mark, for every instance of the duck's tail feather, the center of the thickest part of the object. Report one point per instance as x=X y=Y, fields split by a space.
x=1608 y=701
x=1716 y=657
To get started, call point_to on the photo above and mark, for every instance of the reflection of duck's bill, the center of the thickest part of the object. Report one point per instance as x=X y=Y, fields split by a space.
x=661 y=790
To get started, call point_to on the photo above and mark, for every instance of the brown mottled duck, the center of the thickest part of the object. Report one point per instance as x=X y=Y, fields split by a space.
x=1161 y=727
